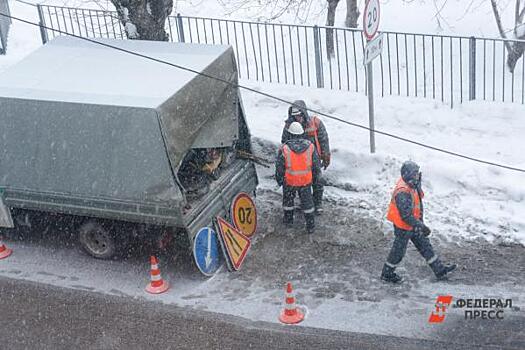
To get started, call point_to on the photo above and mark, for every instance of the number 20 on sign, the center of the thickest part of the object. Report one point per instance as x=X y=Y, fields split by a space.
x=244 y=214
x=371 y=19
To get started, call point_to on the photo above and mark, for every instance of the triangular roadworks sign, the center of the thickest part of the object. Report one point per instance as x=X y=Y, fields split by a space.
x=235 y=243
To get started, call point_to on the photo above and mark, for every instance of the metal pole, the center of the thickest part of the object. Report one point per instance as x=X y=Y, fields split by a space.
x=181 y=28
x=472 y=69
x=318 y=66
x=370 y=86
x=42 y=23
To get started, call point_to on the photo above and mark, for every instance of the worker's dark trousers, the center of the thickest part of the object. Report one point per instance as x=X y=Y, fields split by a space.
x=318 y=189
x=422 y=244
x=307 y=204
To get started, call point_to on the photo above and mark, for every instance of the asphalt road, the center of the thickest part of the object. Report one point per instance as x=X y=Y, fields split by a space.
x=38 y=316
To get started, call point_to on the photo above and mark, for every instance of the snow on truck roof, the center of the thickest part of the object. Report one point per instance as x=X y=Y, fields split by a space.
x=73 y=70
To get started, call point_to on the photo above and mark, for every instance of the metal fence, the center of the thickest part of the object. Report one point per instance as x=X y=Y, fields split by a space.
x=5 y=23
x=449 y=68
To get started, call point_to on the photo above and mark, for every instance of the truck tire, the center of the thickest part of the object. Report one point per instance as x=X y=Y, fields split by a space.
x=97 y=240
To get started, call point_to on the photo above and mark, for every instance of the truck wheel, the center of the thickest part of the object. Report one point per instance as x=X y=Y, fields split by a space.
x=97 y=240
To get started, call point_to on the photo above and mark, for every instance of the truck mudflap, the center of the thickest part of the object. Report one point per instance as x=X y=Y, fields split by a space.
x=240 y=177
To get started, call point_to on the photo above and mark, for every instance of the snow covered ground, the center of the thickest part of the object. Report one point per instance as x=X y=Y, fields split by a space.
x=464 y=198
x=335 y=274
x=23 y=38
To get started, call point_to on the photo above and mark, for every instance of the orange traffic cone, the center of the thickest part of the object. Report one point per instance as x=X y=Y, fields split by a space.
x=157 y=284
x=4 y=251
x=291 y=313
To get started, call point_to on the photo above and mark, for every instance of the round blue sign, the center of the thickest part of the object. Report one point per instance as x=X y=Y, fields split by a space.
x=206 y=251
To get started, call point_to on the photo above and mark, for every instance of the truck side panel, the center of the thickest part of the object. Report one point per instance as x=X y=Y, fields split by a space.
x=85 y=160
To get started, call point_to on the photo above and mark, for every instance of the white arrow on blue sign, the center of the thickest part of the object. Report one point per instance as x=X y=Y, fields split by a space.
x=206 y=251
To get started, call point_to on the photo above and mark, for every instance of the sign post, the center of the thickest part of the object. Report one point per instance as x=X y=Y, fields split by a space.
x=372 y=50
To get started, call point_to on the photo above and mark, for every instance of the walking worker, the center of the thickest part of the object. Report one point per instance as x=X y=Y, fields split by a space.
x=315 y=131
x=297 y=169
x=406 y=213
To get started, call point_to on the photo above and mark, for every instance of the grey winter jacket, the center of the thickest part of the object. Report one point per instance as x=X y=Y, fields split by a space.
x=322 y=135
x=297 y=146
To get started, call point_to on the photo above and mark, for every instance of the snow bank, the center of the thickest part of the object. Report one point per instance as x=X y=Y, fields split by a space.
x=464 y=198
x=23 y=38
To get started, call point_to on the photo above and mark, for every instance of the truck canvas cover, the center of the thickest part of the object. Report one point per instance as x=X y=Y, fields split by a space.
x=87 y=129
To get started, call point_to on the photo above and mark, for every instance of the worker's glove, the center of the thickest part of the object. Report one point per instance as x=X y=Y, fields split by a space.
x=279 y=183
x=325 y=160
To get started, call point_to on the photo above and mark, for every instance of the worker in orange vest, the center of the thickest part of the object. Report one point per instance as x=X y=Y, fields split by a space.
x=406 y=213
x=315 y=131
x=297 y=169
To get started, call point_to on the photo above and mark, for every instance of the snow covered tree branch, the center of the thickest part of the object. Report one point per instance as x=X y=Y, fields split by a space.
x=144 y=19
x=269 y=10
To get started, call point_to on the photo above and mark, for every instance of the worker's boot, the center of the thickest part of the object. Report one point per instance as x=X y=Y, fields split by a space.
x=310 y=222
x=442 y=270
x=388 y=275
x=288 y=217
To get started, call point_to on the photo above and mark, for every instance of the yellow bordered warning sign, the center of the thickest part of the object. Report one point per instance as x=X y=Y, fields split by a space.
x=244 y=214
x=234 y=243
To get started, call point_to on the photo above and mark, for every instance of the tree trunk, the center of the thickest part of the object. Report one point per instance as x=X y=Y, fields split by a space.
x=514 y=54
x=516 y=49
x=144 y=19
x=352 y=14
x=330 y=20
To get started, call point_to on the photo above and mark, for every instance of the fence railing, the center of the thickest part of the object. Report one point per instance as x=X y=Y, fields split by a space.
x=5 y=23
x=449 y=68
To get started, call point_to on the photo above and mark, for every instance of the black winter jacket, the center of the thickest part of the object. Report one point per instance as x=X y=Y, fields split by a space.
x=322 y=135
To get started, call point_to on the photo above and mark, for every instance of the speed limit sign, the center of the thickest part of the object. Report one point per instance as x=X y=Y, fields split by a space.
x=371 y=19
x=244 y=214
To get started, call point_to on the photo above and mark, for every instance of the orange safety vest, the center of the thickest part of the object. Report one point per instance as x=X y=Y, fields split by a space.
x=393 y=213
x=298 y=166
x=312 y=131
